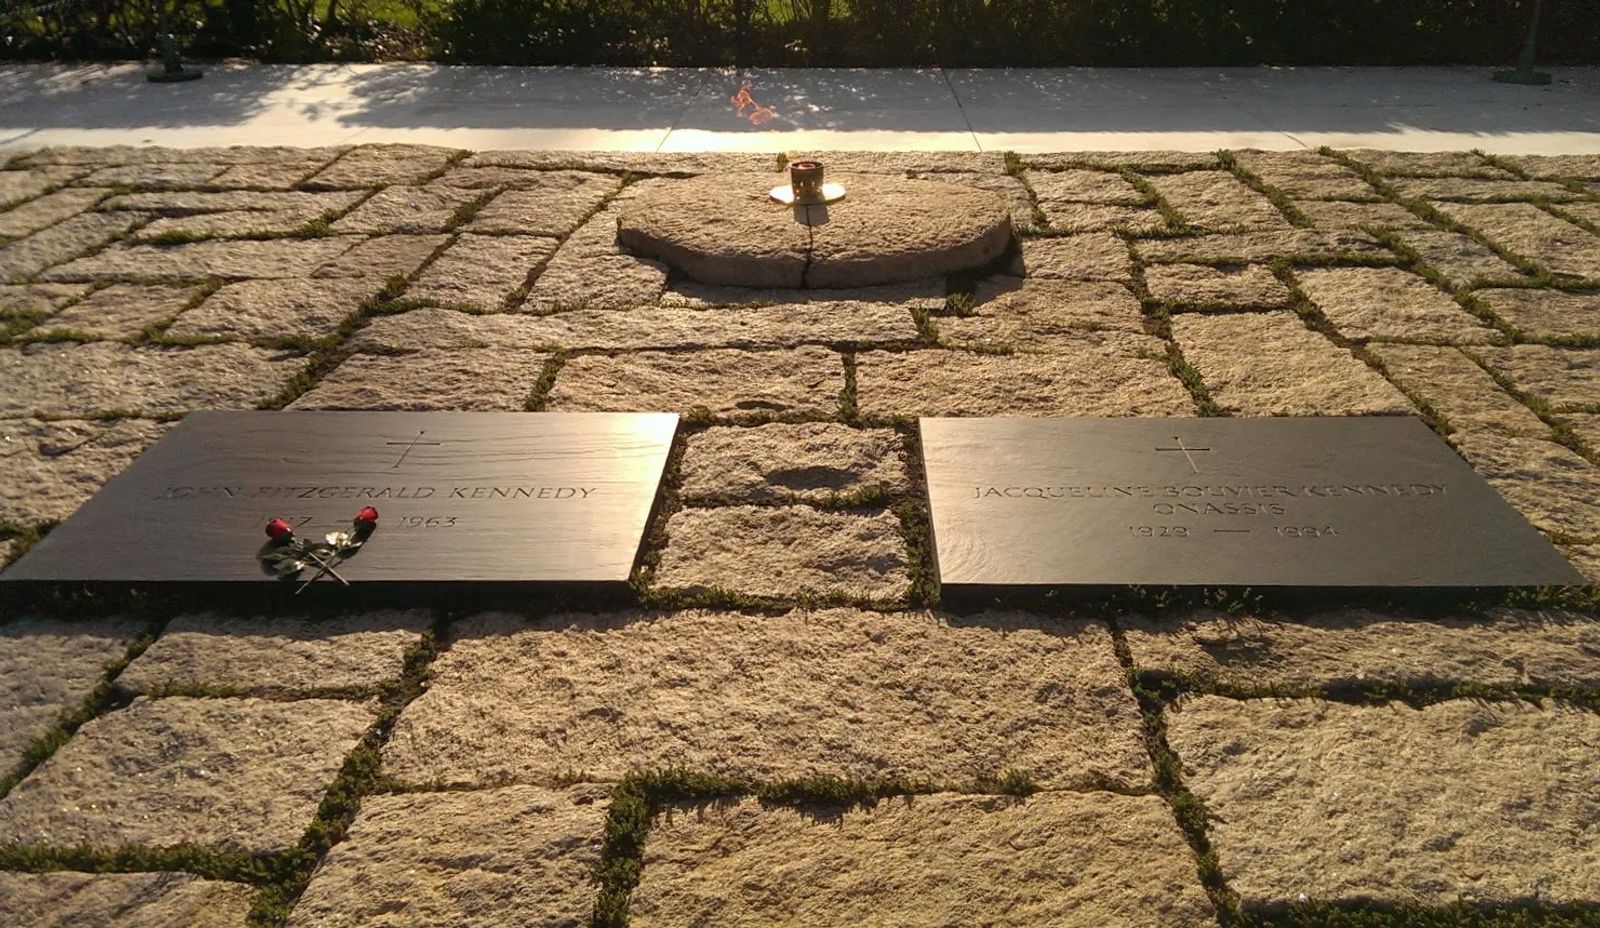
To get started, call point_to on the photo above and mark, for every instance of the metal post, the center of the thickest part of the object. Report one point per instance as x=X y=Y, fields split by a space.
x=1524 y=73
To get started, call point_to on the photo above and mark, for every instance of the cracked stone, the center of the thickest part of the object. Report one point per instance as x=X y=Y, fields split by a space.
x=123 y=311
x=1352 y=649
x=924 y=860
x=1086 y=374
x=810 y=461
x=1534 y=234
x=1299 y=246
x=1567 y=378
x=1295 y=815
x=384 y=257
x=101 y=378
x=243 y=775
x=723 y=382
x=105 y=900
x=783 y=552
x=1218 y=202
x=48 y=667
x=834 y=692
x=277 y=654
x=48 y=210
x=1032 y=313
x=544 y=202
x=1200 y=285
x=484 y=379
x=1457 y=388
x=597 y=282
x=1547 y=313
x=514 y=856
x=1337 y=214
x=1270 y=364
x=785 y=326
x=381 y=166
x=48 y=468
x=230 y=260
x=1306 y=174
x=62 y=242
x=1462 y=261
x=1389 y=303
x=482 y=271
x=1554 y=488
x=281 y=309
x=1089 y=256
x=416 y=210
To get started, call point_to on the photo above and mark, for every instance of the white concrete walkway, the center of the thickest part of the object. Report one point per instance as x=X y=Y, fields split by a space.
x=1075 y=109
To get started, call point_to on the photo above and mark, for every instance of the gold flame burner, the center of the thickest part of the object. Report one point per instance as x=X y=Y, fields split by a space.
x=806 y=186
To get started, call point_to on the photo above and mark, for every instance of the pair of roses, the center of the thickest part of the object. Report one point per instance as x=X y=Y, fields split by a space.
x=290 y=554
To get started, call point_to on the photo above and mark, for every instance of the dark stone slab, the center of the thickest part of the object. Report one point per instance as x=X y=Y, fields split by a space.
x=1296 y=502
x=462 y=496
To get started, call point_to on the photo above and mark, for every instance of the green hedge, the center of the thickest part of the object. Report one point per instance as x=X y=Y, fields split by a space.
x=818 y=32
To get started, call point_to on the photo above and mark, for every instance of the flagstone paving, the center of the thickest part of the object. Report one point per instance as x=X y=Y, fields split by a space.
x=783 y=723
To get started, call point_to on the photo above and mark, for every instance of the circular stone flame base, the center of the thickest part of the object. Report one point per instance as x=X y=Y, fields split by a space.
x=784 y=193
x=726 y=229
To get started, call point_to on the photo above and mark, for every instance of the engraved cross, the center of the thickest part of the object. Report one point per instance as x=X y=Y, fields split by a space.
x=409 y=445
x=1186 y=452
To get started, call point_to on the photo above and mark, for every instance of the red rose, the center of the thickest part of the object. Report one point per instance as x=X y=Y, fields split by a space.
x=367 y=515
x=280 y=530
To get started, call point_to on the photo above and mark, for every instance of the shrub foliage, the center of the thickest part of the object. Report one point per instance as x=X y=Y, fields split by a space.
x=815 y=32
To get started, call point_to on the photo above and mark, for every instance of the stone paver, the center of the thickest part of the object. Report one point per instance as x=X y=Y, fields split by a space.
x=48 y=210
x=1299 y=245
x=48 y=667
x=1203 y=286
x=1286 y=370
x=1353 y=649
x=124 y=311
x=1467 y=190
x=1071 y=217
x=597 y=282
x=106 y=900
x=37 y=299
x=102 y=378
x=1338 y=214
x=19 y=186
x=1559 y=167
x=834 y=692
x=1457 y=388
x=1463 y=261
x=1306 y=174
x=1216 y=201
x=1135 y=160
x=919 y=294
x=275 y=309
x=384 y=257
x=27 y=257
x=1387 y=303
x=1534 y=234
x=1586 y=558
x=273 y=258
x=239 y=774
x=514 y=856
x=1587 y=428
x=265 y=655
x=1089 y=256
x=417 y=210
x=1294 y=815
x=926 y=860
x=722 y=382
x=1556 y=490
x=47 y=469
x=1086 y=374
x=545 y=203
x=1082 y=186
x=781 y=462
x=1564 y=377
x=1547 y=313
x=271 y=175
x=153 y=176
x=1032 y=313
x=475 y=378
x=1428 y=164
x=785 y=551
x=482 y=271
x=380 y=165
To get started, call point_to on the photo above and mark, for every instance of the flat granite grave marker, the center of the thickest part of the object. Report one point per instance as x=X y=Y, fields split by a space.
x=1284 y=502
x=462 y=497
